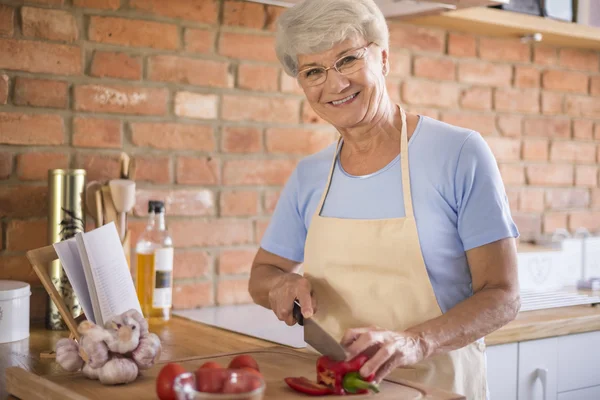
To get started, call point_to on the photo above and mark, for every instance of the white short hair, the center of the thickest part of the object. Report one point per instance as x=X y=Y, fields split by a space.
x=314 y=26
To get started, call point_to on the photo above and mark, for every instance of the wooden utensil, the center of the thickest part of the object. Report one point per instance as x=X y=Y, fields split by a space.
x=123 y=195
x=125 y=160
x=110 y=212
x=90 y=200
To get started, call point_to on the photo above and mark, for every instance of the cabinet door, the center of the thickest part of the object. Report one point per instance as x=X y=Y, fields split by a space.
x=578 y=361
x=592 y=393
x=537 y=369
x=502 y=361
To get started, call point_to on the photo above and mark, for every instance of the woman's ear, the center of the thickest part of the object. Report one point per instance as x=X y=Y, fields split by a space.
x=385 y=62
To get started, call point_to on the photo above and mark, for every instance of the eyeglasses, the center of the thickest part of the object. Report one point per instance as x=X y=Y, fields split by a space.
x=348 y=64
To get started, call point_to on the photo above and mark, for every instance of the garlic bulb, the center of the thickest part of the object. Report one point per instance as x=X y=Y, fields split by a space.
x=148 y=351
x=89 y=372
x=67 y=355
x=124 y=334
x=118 y=370
x=96 y=351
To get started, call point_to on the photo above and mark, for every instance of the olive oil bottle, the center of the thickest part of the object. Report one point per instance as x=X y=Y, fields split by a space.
x=154 y=266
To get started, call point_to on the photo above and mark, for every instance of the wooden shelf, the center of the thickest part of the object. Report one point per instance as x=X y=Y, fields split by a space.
x=494 y=22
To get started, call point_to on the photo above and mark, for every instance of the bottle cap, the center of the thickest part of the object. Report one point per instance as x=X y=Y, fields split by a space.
x=156 y=206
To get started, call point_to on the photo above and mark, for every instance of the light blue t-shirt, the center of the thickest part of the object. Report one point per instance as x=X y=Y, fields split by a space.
x=458 y=199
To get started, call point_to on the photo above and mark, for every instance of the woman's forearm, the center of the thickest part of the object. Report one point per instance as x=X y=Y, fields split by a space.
x=476 y=317
x=262 y=279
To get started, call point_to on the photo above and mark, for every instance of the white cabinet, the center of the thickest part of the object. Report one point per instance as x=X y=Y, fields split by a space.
x=501 y=371
x=537 y=369
x=592 y=393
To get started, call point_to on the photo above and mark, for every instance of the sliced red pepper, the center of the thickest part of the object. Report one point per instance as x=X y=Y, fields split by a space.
x=306 y=386
x=333 y=374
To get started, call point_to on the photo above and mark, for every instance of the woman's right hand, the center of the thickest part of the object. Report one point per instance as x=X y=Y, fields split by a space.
x=290 y=287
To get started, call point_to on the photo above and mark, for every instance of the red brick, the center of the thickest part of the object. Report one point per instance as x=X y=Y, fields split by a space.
x=260 y=226
x=7 y=20
x=108 y=64
x=244 y=14
x=6 y=166
x=527 y=77
x=270 y=201
x=583 y=129
x=23 y=201
x=199 y=41
x=4 y=85
x=196 y=105
x=595 y=85
x=560 y=199
x=48 y=2
x=239 y=203
x=18 y=268
x=191 y=264
x=153 y=169
x=584 y=219
x=510 y=125
x=238 y=261
x=233 y=292
x=462 y=45
x=133 y=33
x=482 y=123
x=531 y=200
x=237 y=139
x=43 y=23
x=166 y=68
x=121 y=99
x=512 y=174
x=504 y=50
x=434 y=68
x=273 y=13
x=596 y=198
x=247 y=47
x=529 y=225
x=41 y=93
x=198 y=171
x=99 y=166
x=257 y=172
x=545 y=55
x=34 y=166
x=26 y=235
x=552 y=103
x=476 y=98
x=597 y=131
x=428 y=93
x=484 y=73
x=535 y=150
x=572 y=151
x=178 y=202
x=192 y=295
x=400 y=63
x=218 y=232
x=554 y=221
x=598 y=157
x=582 y=60
x=550 y=175
x=262 y=78
x=505 y=149
x=525 y=101
x=309 y=116
x=258 y=109
x=513 y=195
x=547 y=127
x=566 y=81
x=205 y=11
x=290 y=84
x=586 y=175
x=33 y=56
x=417 y=38
x=297 y=141
x=582 y=106
x=31 y=129
x=173 y=136
x=426 y=111
x=102 y=4
x=96 y=132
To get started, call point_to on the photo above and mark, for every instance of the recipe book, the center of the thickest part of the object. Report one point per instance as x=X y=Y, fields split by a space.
x=97 y=269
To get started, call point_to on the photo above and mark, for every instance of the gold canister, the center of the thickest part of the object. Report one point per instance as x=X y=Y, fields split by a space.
x=66 y=218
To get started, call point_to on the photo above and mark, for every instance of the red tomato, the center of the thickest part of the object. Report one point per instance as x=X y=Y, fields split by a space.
x=244 y=384
x=166 y=379
x=210 y=380
x=243 y=360
x=211 y=364
x=252 y=371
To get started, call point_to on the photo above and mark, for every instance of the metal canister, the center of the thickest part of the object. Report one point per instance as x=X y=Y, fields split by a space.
x=66 y=218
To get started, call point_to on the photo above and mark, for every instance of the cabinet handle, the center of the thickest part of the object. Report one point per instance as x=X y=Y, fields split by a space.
x=542 y=374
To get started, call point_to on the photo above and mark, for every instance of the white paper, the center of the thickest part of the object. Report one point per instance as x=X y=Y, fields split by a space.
x=71 y=262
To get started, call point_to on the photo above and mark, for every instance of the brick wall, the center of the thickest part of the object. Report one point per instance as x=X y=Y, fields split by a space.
x=192 y=90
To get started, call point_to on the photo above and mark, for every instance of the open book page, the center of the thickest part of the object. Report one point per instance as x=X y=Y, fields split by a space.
x=112 y=280
x=71 y=262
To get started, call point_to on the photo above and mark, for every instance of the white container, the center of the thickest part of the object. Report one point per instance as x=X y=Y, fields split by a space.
x=14 y=311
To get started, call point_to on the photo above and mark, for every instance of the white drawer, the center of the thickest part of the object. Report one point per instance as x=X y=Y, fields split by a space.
x=537 y=369
x=578 y=361
x=592 y=393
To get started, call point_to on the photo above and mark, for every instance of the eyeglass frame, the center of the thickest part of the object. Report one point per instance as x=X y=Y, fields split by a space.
x=365 y=48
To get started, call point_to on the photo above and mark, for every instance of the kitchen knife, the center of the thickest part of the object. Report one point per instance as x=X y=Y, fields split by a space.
x=317 y=337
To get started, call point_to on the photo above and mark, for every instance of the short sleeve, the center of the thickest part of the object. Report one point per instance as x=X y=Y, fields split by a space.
x=483 y=210
x=286 y=233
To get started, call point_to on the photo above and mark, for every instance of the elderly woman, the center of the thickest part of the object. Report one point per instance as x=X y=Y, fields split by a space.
x=402 y=228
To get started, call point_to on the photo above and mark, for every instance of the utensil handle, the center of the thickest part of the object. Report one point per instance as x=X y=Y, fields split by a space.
x=298 y=313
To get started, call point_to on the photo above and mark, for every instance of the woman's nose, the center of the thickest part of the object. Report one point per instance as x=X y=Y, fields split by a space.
x=335 y=81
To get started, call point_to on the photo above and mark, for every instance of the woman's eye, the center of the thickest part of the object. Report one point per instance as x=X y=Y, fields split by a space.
x=347 y=60
x=313 y=72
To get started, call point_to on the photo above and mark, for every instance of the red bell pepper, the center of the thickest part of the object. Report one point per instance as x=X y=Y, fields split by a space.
x=304 y=385
x=343 y=377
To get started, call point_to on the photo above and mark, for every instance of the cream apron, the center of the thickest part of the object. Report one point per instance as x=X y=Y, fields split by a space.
x=371 y=272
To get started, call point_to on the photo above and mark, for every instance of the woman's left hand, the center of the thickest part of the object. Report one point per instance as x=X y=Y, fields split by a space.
x=389 y=349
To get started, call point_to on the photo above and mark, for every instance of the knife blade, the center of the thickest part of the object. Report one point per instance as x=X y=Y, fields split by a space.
x=318 y=337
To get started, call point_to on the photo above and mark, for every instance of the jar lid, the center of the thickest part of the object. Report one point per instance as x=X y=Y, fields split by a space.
x=13 y=289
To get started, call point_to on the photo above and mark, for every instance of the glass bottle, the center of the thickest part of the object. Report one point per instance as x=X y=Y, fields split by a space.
x=154 y=266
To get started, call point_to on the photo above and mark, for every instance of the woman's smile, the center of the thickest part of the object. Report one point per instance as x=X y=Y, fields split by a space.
x=344 y=101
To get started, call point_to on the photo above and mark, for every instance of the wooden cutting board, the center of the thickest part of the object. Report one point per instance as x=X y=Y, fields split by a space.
x=275 y=363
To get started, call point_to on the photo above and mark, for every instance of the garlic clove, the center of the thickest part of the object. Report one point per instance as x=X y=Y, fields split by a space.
x=117 y=371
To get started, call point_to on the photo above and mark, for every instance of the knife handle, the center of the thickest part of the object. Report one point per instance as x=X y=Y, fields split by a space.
x=298 y=313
